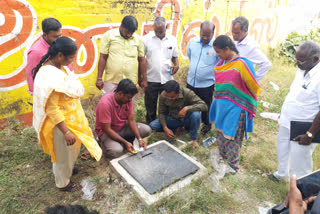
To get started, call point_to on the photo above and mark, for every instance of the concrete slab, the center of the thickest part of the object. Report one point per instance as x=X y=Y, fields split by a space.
x=142 y=193
x=180 y=143
x=158 y=167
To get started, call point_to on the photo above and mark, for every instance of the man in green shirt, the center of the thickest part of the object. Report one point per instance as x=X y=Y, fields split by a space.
x=179 y=107
x=121 y=56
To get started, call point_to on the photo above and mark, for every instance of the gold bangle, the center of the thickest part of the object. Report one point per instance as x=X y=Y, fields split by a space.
x=66 y=133
x=139 y=139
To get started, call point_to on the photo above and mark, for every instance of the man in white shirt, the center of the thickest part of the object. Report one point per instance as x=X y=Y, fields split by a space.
x=301 y=104
x=248 y=47
x=161 y=52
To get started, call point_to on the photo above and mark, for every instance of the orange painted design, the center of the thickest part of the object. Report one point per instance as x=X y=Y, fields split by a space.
x=85 y=39
x=18 y=78
x=176 y=5
x=81 y=39
x=258 y=28
x=160 y=6
x=10 y=22
x=229 y=32
x=270 y=35
x=242 y=3
x=187 y=35
x=216 y=22
x=207 y=4
x=146 y=29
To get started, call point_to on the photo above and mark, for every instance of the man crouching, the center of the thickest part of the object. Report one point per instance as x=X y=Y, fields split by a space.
x=115 y=123
x=179 y=107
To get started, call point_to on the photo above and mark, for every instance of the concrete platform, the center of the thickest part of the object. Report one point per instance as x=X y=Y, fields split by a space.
x=146 y=197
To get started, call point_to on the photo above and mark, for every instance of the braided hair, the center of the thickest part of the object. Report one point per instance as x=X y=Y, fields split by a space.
x=64 y=45
x=224 y=41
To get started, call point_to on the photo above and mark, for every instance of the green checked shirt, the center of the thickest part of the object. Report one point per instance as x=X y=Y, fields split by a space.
x=171 y=108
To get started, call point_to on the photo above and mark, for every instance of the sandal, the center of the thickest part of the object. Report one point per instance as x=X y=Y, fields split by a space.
x=71 y=187
x=85 y=155
x=75 y=171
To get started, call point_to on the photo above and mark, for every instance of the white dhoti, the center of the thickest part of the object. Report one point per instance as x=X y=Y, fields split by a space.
x=292 y=156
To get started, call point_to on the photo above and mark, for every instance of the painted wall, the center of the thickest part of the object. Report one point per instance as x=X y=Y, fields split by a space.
x=86 y=21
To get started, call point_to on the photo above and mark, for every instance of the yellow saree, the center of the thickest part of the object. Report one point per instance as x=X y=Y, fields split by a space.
x=50 y=79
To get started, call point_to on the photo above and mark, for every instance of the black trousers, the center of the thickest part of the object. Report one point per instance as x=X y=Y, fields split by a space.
x=151 y=100
x=206 y=94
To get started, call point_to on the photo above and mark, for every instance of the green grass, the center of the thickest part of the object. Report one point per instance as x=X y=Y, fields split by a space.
x=27 y=183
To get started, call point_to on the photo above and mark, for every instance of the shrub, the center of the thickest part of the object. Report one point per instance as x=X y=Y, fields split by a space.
x=289 y=46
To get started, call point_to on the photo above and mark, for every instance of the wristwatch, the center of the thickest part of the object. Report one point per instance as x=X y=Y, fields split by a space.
x=310 y=135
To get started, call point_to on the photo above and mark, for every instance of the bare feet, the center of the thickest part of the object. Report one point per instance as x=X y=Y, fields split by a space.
x=195 y=144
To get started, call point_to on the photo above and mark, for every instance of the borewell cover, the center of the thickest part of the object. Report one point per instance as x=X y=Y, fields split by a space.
x=158 y=167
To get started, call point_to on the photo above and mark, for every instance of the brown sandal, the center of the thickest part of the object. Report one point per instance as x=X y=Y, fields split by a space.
x=71 y=187
x=85 y=155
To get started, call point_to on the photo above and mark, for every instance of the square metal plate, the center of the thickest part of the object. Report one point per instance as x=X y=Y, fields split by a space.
x=158 y=167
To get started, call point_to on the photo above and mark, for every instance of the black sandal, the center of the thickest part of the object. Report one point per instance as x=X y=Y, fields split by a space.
x=75 y=171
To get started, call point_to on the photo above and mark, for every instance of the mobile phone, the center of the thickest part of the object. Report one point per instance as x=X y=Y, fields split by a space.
x=309 y=185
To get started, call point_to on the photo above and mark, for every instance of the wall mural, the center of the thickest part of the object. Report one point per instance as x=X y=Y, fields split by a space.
x=18 y=31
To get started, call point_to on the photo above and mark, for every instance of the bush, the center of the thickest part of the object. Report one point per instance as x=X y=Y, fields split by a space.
x=290 y=44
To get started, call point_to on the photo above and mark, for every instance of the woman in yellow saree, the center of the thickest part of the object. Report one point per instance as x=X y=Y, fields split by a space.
x=58 y=116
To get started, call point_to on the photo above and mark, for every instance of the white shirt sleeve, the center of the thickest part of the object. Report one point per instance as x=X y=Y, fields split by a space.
x=250 y=50
x=175 y=52
x=318 y=93
x=145 y=43
x=257 y=57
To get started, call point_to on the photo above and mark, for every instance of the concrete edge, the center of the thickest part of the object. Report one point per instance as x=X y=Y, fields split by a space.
x=147 y=198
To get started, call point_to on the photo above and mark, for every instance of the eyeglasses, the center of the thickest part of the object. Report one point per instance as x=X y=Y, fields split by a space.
x=302 y=62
